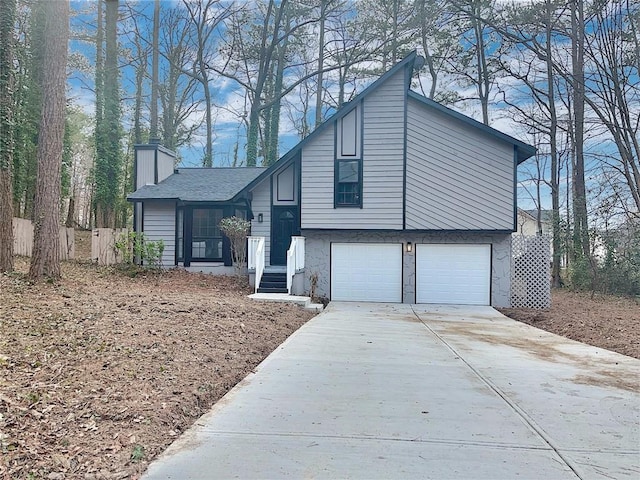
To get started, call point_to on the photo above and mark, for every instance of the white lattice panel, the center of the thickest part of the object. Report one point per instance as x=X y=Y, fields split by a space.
x=530 y=271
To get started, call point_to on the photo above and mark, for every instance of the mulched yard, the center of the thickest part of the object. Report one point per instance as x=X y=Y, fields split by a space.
x=602 y=320
x=102 y=371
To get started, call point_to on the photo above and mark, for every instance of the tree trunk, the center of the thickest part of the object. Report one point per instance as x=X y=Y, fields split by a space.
x=46 y=245
x=424 y=37
x=8 y=9
x=71 y=212
x=153 y=129
x=208 y=157
x=271 y=155
x=483 y=79
x=108 y=161
x=269 y=42
x=137 y=109
x=580 y=228
x=99 y=68
x=33 y=105
x=99 y=126
x=318 y=115
x=553 y=138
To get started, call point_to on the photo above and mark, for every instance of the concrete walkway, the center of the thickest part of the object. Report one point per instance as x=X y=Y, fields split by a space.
x=398 y=391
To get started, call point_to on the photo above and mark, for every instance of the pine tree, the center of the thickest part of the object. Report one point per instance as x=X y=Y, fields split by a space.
x=46 y=244
x=8 y=9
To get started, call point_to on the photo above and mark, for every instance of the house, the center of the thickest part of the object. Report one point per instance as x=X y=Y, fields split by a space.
x=527 y=223
x=395 y=198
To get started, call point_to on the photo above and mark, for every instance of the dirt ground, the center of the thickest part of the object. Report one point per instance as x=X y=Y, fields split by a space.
x=101 y=372
x=604 y=321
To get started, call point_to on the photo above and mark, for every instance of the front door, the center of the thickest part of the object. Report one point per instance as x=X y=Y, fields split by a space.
x=284 y=225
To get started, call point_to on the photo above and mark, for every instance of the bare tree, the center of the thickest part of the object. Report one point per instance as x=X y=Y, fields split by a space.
x=205 y=17
x=475 y=65
x=436 y=39
x=321 y=49
x=580 y=221
x=177 y=90
x=613 y=91
x=534 y=69
x=46 y=246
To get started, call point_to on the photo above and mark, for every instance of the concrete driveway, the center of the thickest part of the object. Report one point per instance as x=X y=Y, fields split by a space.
x=399 y=391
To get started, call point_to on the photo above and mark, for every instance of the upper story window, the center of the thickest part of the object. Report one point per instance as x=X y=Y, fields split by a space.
x=348 y=160
x=348 y=185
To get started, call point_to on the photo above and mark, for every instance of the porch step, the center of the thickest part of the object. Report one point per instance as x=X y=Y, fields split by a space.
x=272 y=290
x=304 y=302
x=273 y=282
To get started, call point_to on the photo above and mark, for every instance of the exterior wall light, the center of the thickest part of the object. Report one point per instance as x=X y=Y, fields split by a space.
x=409 y=247
x=260 y=218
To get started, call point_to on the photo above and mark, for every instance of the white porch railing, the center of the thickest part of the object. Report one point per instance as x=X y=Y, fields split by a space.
x=252 y=246
x=295 y=259
x=255 y=260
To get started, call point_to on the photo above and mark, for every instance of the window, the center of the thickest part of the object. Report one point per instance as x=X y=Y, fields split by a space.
x=206 y=237
x=348 y=185
x=348 y=160
x=180 y=235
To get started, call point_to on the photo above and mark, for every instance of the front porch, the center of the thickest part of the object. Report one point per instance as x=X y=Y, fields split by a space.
x=276 y=279
x=279 y=283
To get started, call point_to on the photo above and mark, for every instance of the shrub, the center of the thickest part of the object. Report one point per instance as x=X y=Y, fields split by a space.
x=134 y=247
x=237 y=229
x=617 y=271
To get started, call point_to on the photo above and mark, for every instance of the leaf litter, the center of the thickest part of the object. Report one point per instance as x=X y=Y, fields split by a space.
x=101 y=371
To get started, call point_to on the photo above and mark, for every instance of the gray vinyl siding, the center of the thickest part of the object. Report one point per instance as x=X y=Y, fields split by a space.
x=457 y=177
x=165 y=165
x=261 y=204
x=160 y=224
x=382 y=166
x=145 y=167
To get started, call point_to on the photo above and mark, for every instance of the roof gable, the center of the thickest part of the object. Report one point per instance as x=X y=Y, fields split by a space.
x=406 y=63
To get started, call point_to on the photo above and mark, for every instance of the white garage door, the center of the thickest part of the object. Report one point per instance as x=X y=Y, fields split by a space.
x=458 y=274
x=366 y=272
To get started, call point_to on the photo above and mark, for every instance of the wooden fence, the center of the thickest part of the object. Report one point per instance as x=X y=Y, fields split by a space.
x=103 y=245
x=23 y=239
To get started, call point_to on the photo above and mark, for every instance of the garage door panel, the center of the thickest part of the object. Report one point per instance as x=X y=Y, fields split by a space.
x=366 y=272
x=454 y=274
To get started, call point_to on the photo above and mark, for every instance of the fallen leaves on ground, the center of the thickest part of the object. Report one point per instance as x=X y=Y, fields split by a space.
x=602 y=320
x=100 y=372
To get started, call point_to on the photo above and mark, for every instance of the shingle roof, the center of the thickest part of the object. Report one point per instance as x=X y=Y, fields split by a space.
x=546 y=216
x=199 y=185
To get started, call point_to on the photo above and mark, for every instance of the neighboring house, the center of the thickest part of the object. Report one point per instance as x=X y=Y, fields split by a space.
x=527 y=222
x=398 y=198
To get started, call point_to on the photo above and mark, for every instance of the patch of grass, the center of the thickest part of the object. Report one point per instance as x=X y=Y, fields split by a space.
x=32 y=398
x=137 y=454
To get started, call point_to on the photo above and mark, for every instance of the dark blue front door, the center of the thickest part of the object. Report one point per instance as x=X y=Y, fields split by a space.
x=284 y=225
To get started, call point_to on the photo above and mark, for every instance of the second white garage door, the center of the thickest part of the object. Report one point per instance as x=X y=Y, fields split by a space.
x=366 y=272
x=453 y=274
